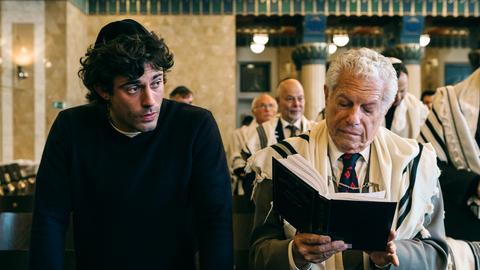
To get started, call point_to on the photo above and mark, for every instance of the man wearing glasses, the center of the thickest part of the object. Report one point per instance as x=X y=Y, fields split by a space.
x=353 y=153
x=264 y=108
x=289 y=123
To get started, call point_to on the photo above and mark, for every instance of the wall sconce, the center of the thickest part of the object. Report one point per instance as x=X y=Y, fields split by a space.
x=21 y=73
x=22 y=59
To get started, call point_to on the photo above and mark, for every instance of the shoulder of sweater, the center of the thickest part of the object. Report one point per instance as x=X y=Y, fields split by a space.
x=184 y=113
x=183 y=108
x=86 y=111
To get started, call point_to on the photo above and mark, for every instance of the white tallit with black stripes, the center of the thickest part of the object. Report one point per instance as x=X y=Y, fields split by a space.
x=391 y=157
x=409 y=117
x=452 y=123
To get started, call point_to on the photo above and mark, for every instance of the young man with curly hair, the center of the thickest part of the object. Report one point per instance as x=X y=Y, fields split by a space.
x=145 y=178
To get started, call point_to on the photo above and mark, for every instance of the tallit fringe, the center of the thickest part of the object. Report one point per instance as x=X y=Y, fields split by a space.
x=453 y=146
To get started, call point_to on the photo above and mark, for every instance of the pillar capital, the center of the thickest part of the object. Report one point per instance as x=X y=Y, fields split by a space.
x=409 y=53
x=310 y=53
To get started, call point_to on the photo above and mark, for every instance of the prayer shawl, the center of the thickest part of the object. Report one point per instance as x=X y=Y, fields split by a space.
x=390 y=159
x=452 y=124
x=463 y=254
x=409 y=117
x=267 y=134
x=450 y=128
x=238 y=140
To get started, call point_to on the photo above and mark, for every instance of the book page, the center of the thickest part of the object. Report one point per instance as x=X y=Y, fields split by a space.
x=372 y=196
x=301 y=167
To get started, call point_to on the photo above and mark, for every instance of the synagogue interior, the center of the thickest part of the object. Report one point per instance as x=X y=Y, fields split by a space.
x=227 y=52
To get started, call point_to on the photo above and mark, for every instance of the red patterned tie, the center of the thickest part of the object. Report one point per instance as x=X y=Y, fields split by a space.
x=349 y=179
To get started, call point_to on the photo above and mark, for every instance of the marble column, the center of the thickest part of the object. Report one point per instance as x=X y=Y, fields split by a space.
x=312 y=58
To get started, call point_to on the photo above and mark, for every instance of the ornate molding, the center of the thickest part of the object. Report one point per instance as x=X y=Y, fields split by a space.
x=310 y=53
x=442 y=8
x=410 y=53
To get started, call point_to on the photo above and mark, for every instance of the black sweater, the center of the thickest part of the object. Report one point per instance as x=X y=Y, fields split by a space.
x=146 y=202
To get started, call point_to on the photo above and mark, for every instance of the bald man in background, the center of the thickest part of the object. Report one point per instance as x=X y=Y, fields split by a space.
x=289 y=122
x=264 y=108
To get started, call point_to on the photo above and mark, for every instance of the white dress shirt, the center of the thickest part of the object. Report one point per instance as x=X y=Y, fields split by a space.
x=286 y=131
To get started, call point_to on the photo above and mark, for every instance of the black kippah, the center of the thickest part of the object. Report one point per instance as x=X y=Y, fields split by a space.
x=117 y=28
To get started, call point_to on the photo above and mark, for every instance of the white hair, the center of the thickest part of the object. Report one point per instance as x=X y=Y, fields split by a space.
x=255 y=100
x=365 y=63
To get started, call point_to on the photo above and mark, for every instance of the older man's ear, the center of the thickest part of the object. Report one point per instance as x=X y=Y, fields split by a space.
x=325 y=92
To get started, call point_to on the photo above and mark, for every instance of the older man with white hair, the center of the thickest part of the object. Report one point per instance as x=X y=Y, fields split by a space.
x=289 y=122
x=354 y=153
x=264 y=108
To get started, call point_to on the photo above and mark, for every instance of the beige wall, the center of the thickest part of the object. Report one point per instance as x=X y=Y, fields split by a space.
x=433 y=65
x=23 y=96
x=77 y=44
x=55 y=52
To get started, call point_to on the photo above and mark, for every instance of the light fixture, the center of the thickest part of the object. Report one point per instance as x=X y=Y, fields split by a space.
x=332 y=48
x=22 y=59
x=260 y=38
x=257 y=48
x=424 y=40
x=21 y=73
x=341 y=39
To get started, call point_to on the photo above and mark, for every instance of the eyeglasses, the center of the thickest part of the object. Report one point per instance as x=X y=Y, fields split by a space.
x=265 y=106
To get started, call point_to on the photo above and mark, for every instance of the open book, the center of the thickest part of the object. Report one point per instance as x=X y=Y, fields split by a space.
x=300 y=196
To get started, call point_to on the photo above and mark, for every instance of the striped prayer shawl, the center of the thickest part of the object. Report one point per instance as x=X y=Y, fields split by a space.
x=393 y=165
x=451 y=125
x=463 y=254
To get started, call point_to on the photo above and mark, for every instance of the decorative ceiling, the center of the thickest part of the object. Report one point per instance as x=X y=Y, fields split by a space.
x=447 y=21
x=443 y=8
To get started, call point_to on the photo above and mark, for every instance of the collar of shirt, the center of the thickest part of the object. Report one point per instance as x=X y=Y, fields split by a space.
x=297 y=123
x=337 y=164
x=128 y=134
x=287 y=131
x=335 y=154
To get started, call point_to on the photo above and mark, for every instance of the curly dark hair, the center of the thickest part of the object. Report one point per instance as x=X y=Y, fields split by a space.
x=126 y=55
